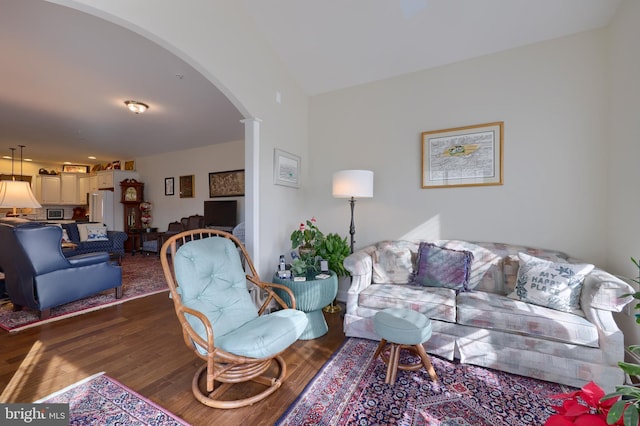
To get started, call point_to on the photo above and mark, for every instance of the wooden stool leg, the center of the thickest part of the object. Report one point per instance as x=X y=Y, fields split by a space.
x=381 y=346
x=392 y=368
x=425 y=361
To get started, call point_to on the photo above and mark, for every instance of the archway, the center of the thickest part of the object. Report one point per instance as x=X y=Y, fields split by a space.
x=251 y=124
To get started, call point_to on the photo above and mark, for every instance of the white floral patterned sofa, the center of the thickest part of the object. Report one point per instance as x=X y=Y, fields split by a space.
x=485 y=321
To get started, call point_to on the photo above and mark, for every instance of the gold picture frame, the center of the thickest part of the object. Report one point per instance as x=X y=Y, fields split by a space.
x=463 y=156
x=75 y=168
x=186 y=186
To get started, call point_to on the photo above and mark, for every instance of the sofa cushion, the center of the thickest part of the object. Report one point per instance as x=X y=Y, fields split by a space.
x=493 y=311
x=97 y=233
x=546 y=283
x=512 y=263
x=442 y=267
x=393 y=262
x=92 y=232
x=434 y=302
x=486 y=269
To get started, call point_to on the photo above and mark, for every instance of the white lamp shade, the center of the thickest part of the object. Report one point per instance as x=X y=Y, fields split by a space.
x=16 y=193
x=353 y=183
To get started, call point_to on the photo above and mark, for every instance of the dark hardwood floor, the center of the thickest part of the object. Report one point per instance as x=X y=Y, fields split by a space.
x=139 y=343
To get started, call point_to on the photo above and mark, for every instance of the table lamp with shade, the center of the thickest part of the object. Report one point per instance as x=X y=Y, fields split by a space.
x=17 y=193
x=353 y=184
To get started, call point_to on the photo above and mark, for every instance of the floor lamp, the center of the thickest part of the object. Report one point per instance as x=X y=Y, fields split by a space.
x=351 y=184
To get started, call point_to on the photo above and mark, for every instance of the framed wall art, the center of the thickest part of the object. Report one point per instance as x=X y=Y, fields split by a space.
x=186 y=186
x=169 y=186
x=75 y=168
x=286 y=169
x=463 y=156
x=226 y=184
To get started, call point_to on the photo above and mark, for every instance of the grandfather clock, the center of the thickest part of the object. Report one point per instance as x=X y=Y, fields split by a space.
x=132 y=195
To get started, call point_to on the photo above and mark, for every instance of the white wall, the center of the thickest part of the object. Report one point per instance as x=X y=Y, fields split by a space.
x=623 y=139
x=552 y=99
x=218 y=39
x=198 y=162
x=623 y=144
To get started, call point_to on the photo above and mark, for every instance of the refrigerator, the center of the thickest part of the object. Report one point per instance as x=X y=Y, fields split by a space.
x=102 y=208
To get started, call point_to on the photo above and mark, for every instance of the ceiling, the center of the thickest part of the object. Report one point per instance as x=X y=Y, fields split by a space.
x=63 y=86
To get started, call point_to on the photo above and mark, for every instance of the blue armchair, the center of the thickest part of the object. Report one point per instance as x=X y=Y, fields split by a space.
x=37 y=274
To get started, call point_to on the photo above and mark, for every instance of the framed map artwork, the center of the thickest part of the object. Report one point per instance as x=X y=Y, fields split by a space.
x=463 y=156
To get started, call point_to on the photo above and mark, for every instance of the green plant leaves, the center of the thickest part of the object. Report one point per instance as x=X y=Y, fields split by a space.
x=334 y=249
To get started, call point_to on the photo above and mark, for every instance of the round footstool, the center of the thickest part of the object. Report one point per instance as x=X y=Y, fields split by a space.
x=402 y=329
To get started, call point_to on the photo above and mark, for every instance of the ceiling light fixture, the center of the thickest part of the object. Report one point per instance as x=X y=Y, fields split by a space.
x=137 y=107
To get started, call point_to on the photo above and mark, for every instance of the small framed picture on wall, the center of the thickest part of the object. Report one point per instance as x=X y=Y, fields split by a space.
x=186 y=186
x=168 y=186
x=286 y=168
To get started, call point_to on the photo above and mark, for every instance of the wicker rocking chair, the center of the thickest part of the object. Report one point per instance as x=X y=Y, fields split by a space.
x=239 y=342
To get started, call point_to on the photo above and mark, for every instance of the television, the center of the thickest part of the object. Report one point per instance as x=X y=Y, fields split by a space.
x=221 y=213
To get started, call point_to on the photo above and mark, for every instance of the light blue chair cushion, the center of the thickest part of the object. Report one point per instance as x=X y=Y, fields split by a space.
x=266 y=335
x=211 y=280
x=403 y=326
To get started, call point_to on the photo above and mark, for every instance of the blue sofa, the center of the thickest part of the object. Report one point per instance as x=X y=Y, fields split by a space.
x=40 y=277
x=114 y=246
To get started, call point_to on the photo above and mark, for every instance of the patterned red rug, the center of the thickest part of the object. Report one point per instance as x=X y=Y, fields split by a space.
x=141 y=276
x=101 y=400
x=350 y=389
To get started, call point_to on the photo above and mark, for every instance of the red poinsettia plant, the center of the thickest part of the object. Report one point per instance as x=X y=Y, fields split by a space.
x=588 y=406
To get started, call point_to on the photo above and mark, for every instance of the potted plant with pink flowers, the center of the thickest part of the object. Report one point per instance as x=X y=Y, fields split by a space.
x=306 y=237
x=306 y=240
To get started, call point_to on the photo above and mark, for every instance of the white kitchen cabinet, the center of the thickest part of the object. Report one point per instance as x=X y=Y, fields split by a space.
x=105 y=179
x=48 y=189
x=110 y=179
x=93 y=183
x=87 y=184
x=84 y=188
x=69 y=188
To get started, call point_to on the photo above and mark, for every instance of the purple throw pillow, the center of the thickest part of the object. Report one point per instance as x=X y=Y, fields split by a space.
x=442 y=267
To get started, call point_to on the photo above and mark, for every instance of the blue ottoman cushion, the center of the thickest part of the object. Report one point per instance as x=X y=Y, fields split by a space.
x=402 y=326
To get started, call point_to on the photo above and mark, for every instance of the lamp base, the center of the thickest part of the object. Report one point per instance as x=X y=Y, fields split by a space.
x=332 y=308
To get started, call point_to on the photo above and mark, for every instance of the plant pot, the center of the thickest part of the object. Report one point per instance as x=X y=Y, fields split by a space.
x=306 y=252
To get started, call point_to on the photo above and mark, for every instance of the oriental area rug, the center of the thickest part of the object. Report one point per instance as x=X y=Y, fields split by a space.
x=141 y=276
x=350 y=390
x=101 y=400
